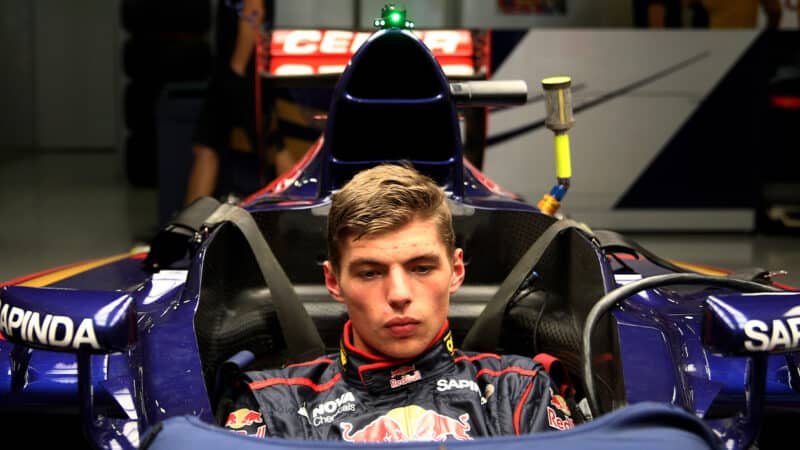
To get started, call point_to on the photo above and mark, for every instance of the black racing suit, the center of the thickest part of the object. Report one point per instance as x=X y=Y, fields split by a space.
x=442 y=394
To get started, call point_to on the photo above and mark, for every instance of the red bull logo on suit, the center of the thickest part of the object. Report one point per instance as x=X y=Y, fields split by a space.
x=409 y=423
x=557 y=422
x=242 y=418
x=559 y=403
x=403 y=376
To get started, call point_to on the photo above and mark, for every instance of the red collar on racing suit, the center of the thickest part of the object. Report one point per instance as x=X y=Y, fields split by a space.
x=380 y=375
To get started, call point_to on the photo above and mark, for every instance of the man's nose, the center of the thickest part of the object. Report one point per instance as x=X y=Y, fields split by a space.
x=398 y=288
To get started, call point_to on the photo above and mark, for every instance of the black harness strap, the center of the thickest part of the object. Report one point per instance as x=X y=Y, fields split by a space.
x=303 y=341
x=484 y=335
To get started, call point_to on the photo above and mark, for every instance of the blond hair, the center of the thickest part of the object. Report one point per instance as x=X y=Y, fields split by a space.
x=385 y=198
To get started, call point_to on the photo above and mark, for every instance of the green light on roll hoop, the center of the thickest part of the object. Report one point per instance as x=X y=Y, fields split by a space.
x=393 y=16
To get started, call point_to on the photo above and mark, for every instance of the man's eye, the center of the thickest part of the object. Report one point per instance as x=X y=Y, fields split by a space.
x=423 y=269
x=368 y=274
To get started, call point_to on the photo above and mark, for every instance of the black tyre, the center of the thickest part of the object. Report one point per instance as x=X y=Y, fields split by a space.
x=140 y=105
x=183 y=16
x=141 y=160
x=156 y=58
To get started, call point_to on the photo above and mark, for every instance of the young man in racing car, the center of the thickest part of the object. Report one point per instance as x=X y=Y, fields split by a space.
x=393 y=263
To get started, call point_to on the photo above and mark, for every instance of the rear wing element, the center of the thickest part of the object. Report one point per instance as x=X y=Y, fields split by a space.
x=286 y=53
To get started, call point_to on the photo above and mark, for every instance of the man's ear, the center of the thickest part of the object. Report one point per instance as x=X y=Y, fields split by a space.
x=332 y=282
x=459 y=271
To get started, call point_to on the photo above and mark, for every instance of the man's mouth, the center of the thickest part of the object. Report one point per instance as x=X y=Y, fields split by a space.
x=402 y=327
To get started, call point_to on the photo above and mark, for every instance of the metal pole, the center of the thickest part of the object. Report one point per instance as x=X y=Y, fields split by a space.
x=86 y=392
x=453 y=13
x=356 y=14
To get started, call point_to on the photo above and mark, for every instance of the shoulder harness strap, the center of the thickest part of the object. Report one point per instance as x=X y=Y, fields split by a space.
x=484 y=335
x=302 y=338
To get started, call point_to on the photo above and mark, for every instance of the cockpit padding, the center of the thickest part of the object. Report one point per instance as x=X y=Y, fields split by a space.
x=236 y=312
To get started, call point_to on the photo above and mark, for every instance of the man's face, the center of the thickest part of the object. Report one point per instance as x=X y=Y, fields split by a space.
x=396 y=286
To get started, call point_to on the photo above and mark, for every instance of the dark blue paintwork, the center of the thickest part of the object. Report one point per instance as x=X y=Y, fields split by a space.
x=59 y=315
x=746 y=323
x=673 y=324
x=661 y=340
x=125 y=275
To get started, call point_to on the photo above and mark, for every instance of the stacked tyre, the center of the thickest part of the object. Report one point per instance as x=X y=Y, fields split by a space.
x=167 y=42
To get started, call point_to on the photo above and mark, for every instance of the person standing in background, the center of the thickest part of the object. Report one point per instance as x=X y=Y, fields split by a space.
x=705 y=13
x=224 y=145
x=657 y=13
x=738 y=13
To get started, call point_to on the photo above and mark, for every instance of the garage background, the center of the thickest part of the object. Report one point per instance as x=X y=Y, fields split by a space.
x=678 y=139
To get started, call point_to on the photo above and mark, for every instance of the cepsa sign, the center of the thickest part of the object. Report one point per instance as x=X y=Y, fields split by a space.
x=309 y=52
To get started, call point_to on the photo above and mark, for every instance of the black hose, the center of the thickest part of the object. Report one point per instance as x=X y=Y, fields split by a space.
x=621 y=293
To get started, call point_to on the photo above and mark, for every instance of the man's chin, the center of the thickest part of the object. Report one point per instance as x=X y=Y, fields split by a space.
x=404 y=350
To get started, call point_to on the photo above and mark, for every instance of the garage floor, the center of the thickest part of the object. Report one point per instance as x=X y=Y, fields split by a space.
x=63 y=207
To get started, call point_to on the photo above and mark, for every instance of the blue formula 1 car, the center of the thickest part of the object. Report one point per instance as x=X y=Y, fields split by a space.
x=133 y=352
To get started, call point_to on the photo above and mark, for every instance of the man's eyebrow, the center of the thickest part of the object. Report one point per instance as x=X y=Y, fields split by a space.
x=364 y=262
x=427 y=257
